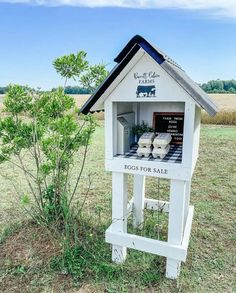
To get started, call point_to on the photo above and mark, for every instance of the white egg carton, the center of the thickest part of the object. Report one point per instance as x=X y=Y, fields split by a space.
x=162 y=140
x=146 y=139
x=160 y=152
x=146 y=151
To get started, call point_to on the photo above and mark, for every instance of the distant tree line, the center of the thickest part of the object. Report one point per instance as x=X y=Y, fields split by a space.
x=212 y=86
x=220 y=86
x=70 y=90
x=76 y=90
x=3 y=90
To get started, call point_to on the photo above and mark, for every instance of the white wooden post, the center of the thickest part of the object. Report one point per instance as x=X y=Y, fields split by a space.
x=119 y=213
x=110 y=129
x=187 y=200
x=189 y=115
x=176 y=224
x=138 y=203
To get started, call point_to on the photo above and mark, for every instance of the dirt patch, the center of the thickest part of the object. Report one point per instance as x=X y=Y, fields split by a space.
x=31 y=246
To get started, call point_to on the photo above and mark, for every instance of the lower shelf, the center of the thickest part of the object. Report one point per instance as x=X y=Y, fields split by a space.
x=162 y=248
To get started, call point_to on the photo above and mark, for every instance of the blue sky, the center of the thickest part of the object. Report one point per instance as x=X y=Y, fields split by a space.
x=202 y=39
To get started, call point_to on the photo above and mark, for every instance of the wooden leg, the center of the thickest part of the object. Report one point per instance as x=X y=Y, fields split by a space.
x=176 y=224
x=119 y=213
x=187 y=201
x=138 y=203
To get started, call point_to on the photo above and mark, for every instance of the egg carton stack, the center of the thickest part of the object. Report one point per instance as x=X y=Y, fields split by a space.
x=158 y=146
x=161 y=145
x=145 y=144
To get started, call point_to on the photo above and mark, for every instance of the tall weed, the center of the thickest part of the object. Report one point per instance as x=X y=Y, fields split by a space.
x=222 y=118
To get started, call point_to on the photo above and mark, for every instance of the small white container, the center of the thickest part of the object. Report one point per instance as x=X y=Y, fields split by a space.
x=146 y=139
x=160 y=152
x=162 y=140
x=146 y=151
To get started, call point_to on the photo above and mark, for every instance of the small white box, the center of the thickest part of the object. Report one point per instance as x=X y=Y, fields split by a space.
x=160 y=152
x=161 y=140
x=146 y=151
x=123 y=136
x=146 y=139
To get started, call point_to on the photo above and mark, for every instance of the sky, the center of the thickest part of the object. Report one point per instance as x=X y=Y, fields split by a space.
x=199 y=35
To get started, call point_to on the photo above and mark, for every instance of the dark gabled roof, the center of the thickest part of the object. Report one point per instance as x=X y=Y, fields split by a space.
x=111 y=77
x=159 y=56
x=171 y=67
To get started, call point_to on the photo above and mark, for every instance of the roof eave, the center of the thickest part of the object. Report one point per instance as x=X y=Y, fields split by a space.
x=110 y=78
x=198 y=95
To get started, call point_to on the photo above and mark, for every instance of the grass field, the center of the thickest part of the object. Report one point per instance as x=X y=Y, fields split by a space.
x=26 y=250
x=225 y=102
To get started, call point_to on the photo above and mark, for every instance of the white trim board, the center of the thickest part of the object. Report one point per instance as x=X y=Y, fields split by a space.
x=162 y=248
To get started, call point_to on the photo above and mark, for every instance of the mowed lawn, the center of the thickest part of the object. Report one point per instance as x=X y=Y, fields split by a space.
x=211 y=261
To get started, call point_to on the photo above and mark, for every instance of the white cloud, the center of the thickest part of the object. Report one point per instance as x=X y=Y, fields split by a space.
x=218 y=7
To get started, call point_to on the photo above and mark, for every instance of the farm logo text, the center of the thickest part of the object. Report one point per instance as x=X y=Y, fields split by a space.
x=146 y=77
x=146 y=84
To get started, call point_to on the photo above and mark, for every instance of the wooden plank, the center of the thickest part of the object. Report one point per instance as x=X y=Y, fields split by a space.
x=114 y=127
x=157 y=247
x=187 y=156
x=126 y=98
x=138 y=195
x=108 y=130
x=187 y=200
x=119 y=213
x=188 y=226
x=176 y=224
x=148 y=168
x=156 y=205
x=130 y=206
x=112 y=237
x=196 y=136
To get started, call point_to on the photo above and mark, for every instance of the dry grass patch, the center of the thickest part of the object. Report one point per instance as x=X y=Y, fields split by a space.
x=221 y=118
x=225 y=102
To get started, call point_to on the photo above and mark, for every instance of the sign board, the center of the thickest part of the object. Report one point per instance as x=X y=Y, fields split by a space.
x=170 y=122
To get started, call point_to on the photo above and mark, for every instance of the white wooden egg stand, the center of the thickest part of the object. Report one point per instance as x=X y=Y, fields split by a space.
x=180 y=213
x=169 y=89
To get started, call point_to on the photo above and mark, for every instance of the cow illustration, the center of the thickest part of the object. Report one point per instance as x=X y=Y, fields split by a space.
x=146 y=91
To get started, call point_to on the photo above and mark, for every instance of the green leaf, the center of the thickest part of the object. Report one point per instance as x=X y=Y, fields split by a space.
x=25 y=199
x=17 y=100
x=93 y=77
x=71 y=66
